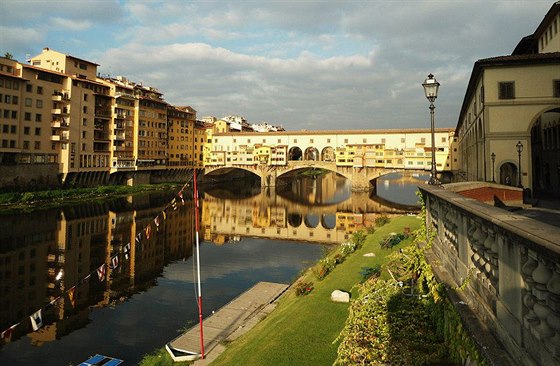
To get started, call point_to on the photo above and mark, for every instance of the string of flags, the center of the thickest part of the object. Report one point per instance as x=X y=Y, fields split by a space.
x=36 y=318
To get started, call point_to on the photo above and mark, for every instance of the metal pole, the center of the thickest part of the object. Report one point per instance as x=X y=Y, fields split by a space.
x=195 y=192
x=433 y=179
x=519 y=168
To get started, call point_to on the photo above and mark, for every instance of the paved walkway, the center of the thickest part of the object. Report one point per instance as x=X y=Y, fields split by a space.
x=546 y=210
x=231 y=321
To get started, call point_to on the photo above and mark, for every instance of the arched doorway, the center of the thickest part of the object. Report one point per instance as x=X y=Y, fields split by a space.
x=509 y=174
x=545 y=154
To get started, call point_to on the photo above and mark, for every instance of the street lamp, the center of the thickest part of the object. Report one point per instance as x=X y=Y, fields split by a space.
x=431 y=89
x=493 y=157
x=519 y=147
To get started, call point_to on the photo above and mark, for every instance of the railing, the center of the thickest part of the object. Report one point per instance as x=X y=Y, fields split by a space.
x=509 y=266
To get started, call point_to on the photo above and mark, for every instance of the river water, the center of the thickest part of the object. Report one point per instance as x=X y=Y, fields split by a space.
x=105 y=283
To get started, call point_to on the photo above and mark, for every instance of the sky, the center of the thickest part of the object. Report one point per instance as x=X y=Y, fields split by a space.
x=315 y=65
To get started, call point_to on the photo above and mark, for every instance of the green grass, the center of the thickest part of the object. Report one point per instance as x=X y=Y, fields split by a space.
x=301 y=330
x=160 y=358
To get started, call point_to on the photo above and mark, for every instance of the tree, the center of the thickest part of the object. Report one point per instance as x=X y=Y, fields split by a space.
x=9 y=56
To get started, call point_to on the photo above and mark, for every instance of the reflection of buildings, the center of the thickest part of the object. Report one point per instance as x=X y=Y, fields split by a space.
x=73 y=243
x=272 y=216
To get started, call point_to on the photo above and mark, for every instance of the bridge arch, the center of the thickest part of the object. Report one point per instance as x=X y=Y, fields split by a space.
x=295 y=153
x=294 y=219
x=311 y=154
x=328 y=221
x=311 y=220
x=328 y=154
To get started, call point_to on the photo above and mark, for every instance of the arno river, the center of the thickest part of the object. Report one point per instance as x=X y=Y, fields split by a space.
x=116 y=278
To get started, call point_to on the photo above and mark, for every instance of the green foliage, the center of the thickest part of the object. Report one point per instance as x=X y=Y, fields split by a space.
x=359 y=238
x=390 y=241
x=381 y=220
x=370 y=229
x=386 y=327
x=303 y=288
x=160 y=358
x=368 y=272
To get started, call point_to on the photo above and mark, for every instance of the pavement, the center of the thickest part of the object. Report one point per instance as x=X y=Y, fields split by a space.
x=546 y=210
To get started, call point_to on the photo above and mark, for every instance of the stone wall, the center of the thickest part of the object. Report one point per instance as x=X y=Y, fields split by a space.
x=509 y=267
x=26 y=177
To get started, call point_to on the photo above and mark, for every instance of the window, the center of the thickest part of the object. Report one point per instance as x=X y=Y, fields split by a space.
x=85 y=97
x=37 y=145
x=39 y=90
x=39 y=103
x=26 y=144
x=38 y=117
x=26 y=130
x=28 y=88
x=13 y=129
x=27 y=116
x=14 y=99
x=84 y=109
x=556 y=88
x=28 y=102
x=5 y=128
x=37 y=131
x=506 y=90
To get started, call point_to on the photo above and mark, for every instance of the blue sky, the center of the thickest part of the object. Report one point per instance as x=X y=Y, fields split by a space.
x=300 y=64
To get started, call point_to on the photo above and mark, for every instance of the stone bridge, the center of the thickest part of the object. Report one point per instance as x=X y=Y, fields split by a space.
x=362 y=178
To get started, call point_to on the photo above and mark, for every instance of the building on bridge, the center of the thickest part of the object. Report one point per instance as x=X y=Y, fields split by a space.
x=511 y=99
x=346 y=152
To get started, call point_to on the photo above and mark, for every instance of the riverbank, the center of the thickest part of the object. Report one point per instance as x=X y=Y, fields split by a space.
x=303 y=329
x=15 y=202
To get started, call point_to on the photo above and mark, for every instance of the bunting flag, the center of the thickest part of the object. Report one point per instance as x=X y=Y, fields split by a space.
x=148 y=231
x=126 y=251
x=36 y=320
x=71 y=296
x=7 y=334
x=115 y=262
x=101 y=271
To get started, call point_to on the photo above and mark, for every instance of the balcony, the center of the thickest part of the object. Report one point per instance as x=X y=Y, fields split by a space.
x=63 y=137
x=118 y=148
x=60 y=124
x=120 y=136
x=60 y=97
x=60 y=111
x=102 y=112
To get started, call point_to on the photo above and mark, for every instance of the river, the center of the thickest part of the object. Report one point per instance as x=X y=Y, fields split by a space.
x=105 y=283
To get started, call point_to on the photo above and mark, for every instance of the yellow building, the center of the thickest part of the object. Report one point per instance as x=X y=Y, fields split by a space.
x=181 y=127
x=509 y=125
x=151 y=114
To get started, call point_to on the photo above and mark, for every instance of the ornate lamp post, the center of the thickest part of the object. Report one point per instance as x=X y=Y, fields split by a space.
x=519 y=147
x=431 y=89
x=493 y=157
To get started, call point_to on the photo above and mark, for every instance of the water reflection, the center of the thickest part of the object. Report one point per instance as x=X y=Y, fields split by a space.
x=49 y=261
x=322 y=210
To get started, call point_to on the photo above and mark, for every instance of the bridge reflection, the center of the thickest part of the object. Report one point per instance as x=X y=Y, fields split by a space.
x=274 y=216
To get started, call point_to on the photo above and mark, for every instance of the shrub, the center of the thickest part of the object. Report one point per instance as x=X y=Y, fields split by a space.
x=359 y=237
x=368 y=272
x=325 y=266
x=370 y=229
x=390 y=241
x=381 y=220
x=303 y=288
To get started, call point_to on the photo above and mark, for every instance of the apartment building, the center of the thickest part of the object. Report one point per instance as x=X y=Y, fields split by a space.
x=181 y=129
x=509 y=125
x=61 y=122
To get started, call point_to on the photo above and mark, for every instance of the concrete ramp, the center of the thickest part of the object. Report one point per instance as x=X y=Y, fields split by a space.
x=231 y=321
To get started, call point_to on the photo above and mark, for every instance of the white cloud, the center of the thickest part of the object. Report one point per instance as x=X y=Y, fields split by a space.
x=70 y=24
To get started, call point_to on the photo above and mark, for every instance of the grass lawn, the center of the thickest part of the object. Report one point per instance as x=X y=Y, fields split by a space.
x=301 y=330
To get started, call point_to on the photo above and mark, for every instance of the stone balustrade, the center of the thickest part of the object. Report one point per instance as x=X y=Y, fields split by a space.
x=509 y=266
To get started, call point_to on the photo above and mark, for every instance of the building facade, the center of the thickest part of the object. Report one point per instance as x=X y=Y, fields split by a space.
x=509 y=126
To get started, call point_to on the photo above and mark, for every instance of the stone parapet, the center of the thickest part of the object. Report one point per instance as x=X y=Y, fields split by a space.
x=509 y=266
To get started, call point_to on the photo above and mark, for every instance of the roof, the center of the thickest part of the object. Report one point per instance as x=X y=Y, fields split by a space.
x=502 y=61
x=335 y=132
